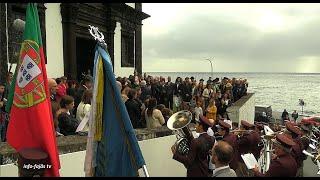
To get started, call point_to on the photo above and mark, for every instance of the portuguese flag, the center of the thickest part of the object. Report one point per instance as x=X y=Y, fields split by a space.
x=31 y=122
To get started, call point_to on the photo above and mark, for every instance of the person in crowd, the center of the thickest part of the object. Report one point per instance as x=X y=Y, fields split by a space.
x=135 y=82
x=55 y=114
x=211 y=111
x=222 y=153
x=198 y=111
x=207 y=94
x=52 y=84
x=167 y=113
x=217 y=100
x=119 y=85
x=193 y=79
x=236 y=90
x=144 y=90
x=162 y=91
x=199 y=89
x=216 y=85
x=225 y=103
x=62 y=88
x=170 y=91
x=4 y=116
x=153 y=116
x=134 y=109
x=295 y=115
x=186 y=90
x=124 y=93
x=223 y=129
x=284 y=116
x=243 y=88
x=71 y=88
x=8 y=84
x=209 y=81
x=156 y=89
x=84 y=108
x=197 y=159
x=282 y=163
x=67 y=123
x=86 y=83
x=177 y=95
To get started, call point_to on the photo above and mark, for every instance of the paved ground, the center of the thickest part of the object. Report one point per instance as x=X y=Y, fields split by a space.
x=310 y=169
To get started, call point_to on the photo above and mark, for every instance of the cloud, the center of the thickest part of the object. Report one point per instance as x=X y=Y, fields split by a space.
x=240 y=38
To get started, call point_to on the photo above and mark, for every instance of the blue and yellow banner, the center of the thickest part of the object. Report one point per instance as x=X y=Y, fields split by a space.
x=112 y=148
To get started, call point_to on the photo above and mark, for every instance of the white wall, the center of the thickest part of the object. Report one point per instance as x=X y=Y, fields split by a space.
x=131 y=5
x=156 y=152
x=118 y=70
x=54 y=38
x=245 y=112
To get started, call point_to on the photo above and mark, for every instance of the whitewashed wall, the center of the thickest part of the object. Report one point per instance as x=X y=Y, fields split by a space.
x=54 y=39
x=156 y=152
x=244 y=112
x=118 y=70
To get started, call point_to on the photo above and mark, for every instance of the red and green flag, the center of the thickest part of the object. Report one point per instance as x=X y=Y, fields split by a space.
x=31 y=123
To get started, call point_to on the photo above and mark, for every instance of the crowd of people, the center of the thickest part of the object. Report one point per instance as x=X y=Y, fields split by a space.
x=150 y=100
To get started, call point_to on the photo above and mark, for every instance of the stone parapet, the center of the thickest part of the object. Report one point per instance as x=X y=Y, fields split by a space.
x=75 y=143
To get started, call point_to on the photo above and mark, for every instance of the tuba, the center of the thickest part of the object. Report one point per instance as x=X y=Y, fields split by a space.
x=179 y=122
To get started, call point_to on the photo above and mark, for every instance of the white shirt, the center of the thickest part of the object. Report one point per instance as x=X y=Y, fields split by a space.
x=210 y=132
x=197 y=112
x=82 y=110
x=219 y=168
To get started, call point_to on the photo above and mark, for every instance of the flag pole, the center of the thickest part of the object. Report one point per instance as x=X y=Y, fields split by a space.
x=145 y=170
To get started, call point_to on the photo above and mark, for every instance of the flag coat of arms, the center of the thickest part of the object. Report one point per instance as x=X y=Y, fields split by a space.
x=31 y=123
x=112 y=146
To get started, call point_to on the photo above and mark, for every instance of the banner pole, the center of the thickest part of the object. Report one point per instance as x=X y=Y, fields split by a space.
x=145 y=170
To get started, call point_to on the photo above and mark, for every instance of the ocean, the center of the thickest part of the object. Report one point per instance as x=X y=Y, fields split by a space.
x=278 y=90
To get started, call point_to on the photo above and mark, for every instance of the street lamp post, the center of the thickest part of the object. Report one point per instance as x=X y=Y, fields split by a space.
x=211 y=67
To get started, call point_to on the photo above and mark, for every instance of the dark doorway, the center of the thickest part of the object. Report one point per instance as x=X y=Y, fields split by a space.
x=84 y=56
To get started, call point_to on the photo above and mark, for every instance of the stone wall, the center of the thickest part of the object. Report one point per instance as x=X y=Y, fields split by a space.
x=75 y=143
x=155 y=146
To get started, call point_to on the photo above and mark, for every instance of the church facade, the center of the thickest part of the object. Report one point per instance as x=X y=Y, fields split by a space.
x=67 y=42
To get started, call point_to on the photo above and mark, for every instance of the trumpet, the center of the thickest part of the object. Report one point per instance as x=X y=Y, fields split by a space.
x=240 y=132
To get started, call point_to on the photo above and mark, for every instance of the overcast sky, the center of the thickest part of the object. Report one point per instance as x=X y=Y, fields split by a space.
x=240 y=37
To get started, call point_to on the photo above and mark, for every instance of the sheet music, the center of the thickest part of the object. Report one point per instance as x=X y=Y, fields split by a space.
x=267 y=130
x=249 y=160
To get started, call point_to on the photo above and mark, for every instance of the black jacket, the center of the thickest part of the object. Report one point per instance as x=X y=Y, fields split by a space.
x=134 y=111
x=67 y=124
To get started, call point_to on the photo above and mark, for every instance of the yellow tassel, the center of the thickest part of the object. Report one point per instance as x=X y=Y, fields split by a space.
x=99 y=101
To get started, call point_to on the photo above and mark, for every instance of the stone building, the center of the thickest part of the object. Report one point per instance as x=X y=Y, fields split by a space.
x=68 y=45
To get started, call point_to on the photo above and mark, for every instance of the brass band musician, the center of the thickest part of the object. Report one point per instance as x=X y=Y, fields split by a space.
x=223 y=129
x=197 y=159
x=282 y=164
x=295 y=133
x=248 y=143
